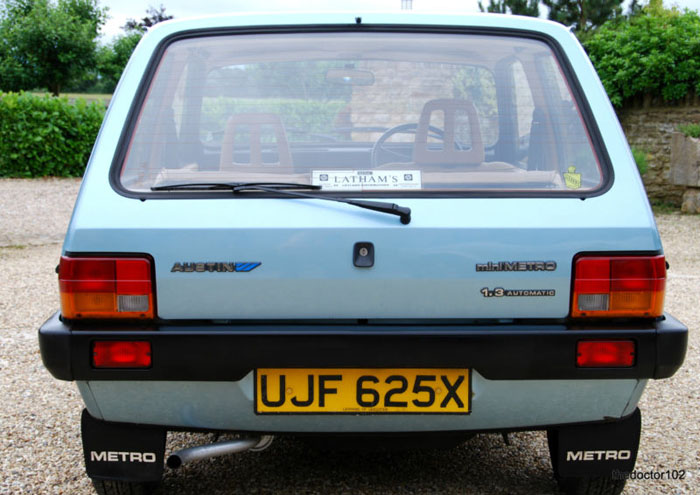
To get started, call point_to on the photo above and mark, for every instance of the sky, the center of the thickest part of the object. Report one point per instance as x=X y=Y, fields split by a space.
x=121 y=10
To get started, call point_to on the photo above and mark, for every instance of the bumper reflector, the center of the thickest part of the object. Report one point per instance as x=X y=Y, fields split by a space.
x=605 y=353
x=121 y=354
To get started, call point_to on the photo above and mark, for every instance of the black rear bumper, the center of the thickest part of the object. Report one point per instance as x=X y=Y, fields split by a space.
x=199 y=352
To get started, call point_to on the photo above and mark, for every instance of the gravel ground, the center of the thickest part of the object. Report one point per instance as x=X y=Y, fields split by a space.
x=39 y=416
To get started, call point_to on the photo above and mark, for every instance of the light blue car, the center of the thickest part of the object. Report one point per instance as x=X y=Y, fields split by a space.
x=361 y=224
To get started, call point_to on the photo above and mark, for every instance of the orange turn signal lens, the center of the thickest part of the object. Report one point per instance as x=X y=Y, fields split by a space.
x=106 y=288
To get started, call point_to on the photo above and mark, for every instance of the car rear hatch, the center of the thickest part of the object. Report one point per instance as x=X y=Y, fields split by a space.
x=484 y=136
x=294 y=259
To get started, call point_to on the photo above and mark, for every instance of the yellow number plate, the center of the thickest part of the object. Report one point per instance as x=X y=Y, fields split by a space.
x=353 y=391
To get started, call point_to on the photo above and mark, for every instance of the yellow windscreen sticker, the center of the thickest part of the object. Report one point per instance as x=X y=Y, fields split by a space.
x=572 y=179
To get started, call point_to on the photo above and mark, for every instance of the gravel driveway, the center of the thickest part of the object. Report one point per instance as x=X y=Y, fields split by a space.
x=40 y=416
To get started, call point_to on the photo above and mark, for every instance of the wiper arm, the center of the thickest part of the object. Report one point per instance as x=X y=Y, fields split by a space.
x=231 y=186
x=286 y=188
x=402 y=212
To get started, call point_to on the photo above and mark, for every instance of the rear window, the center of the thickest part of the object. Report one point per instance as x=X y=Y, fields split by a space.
x=362 y=112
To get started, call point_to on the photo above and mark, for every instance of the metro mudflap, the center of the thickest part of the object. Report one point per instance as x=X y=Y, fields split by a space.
x=596 y=449
x=229 y=352
x=121 y=451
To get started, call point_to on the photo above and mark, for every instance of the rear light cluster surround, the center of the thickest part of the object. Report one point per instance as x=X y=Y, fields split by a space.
x=107 y=287
x=630 y=286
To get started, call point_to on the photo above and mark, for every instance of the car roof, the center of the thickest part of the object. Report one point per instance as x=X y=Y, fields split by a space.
x=358 y=19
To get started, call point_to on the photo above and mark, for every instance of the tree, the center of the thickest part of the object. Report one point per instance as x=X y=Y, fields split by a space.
x=517 y=7
x=634 y=8
x=47 y=44
x=111 y=59
x=583 y=15
x=154 y=17
x=654 y=53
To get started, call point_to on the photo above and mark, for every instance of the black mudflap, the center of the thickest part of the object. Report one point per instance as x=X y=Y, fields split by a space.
x=122 y=451
x=595 y=450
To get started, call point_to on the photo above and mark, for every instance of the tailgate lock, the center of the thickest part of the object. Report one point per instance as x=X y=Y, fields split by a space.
x=363 y=255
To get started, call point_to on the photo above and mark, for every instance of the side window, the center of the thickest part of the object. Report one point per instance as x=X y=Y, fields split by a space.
x=524 y=103
x=308 y=103
x=577 y=161
x=478 y=85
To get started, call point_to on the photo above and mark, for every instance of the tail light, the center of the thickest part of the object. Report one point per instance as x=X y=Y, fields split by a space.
x=106 y=288
x=618 y=286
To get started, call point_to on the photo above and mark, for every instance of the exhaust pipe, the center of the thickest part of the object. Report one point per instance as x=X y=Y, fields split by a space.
x=184 y=456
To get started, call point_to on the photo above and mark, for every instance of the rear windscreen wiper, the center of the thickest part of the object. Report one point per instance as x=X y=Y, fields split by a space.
x=231 y=186
x=287 y=189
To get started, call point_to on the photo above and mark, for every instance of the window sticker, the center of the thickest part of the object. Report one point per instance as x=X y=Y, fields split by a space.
x=572 y=179
x=366 y=180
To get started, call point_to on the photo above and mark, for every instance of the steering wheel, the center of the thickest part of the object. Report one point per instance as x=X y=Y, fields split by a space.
x=378 y=147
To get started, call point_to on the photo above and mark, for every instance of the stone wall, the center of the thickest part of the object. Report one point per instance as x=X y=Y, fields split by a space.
x=685 y=168
x=408 y=92
x=651 y=130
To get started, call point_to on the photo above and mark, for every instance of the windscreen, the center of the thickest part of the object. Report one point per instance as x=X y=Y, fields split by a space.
x=362 y=112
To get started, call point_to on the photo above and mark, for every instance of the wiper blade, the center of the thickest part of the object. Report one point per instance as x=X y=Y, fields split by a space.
x=402 y=212
x=231 y=186
x=287 y=189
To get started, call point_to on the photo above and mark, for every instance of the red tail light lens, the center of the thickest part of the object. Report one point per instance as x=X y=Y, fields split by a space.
x=605 y=354
x=106 y=288
x=614 y=286
x=121 y=354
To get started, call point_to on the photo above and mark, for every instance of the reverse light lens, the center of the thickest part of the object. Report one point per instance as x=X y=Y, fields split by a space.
x=619 y=286
x=126 y=304
x=605 y=353
x=121 y=354
x=106 y=288
x=593 y=302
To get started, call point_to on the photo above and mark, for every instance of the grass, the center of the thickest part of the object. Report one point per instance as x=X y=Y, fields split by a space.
x=690 y=130
x=11 y=247
x=88 y=97
x=664 y=208
x=640 y=157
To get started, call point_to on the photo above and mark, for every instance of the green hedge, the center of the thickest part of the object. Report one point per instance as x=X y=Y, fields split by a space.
x=654 y=53
x=46 y=136
x=299 y=117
